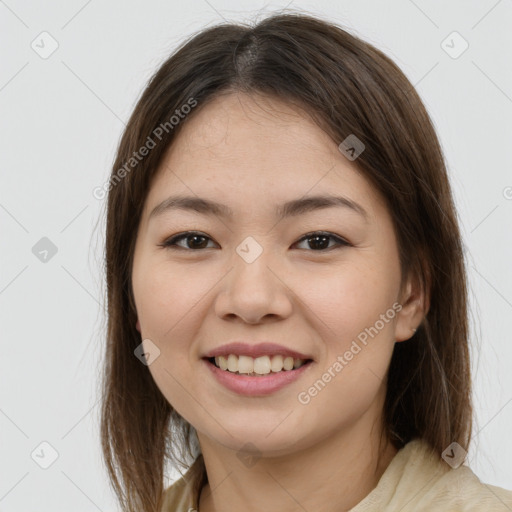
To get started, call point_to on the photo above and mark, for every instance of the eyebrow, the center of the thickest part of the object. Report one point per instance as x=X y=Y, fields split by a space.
x=288 y=209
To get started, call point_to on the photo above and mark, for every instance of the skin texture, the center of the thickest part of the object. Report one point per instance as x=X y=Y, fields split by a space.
x=252 y=154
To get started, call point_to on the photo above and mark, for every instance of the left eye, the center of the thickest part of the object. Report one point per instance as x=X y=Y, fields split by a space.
x=319 y=238
x=195 y=240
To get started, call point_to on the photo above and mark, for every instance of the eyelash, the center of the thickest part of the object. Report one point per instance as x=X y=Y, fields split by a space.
x=171 y=242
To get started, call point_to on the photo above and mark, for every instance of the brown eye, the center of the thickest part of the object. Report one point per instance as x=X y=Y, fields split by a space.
x=193 y=241
x=319 y=241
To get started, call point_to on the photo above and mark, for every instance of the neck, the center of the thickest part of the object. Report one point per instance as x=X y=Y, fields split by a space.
x=333 y=475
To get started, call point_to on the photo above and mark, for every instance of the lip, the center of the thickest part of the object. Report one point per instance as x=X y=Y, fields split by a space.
x=254 y=350
x=256 y=386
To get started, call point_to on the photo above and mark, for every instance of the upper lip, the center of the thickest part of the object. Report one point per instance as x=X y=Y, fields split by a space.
x=254 y=350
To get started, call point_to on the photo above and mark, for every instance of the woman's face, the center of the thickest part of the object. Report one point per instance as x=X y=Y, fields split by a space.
x=252 y=277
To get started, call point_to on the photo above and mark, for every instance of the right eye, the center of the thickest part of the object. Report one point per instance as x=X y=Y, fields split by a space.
x=194 y=240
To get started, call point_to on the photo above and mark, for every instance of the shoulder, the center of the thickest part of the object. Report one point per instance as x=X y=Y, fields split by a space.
x=462 y=489
x=183 y=494
x=419 y=480
x=447 y=488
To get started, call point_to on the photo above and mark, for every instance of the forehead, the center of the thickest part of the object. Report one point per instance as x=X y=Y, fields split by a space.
x=238 y=124
x=251 y=151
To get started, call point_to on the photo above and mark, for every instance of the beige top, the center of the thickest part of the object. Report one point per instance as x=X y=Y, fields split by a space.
x=414 y=481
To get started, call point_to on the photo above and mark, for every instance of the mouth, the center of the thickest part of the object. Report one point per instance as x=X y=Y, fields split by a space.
x=259 y=377
x=259 y=367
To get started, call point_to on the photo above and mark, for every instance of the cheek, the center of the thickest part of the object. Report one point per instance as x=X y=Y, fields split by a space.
x=165 y=297
x=350 y=301
x=168 y=307
x=343 y=397
x=354 y=315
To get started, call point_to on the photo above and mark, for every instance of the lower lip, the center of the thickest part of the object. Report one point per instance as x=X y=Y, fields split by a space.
x=256 y=386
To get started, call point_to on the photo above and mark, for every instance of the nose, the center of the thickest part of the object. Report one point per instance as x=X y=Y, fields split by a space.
x=254 y=292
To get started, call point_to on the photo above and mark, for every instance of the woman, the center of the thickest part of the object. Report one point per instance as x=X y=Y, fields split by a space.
x=286 y=285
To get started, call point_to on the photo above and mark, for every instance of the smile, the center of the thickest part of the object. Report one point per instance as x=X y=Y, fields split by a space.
x=256 y=376
x=256 y=366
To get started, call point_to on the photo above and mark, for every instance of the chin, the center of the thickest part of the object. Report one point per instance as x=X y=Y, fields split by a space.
x=256 y=440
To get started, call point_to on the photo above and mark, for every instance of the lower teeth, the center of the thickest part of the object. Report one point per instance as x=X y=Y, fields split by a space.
x=251 y=374
x=257 y=374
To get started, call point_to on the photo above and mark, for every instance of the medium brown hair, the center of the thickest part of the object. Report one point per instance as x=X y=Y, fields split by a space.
x=348 y=87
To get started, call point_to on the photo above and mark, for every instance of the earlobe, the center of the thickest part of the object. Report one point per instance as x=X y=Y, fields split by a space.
x=411 y=315
x=414 y=309
x=137 y=326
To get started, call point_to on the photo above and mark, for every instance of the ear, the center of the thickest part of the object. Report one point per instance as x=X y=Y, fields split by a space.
x=137 y=326
x=415 y=303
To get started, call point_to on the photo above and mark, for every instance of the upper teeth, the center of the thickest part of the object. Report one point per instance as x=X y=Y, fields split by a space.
x=260 y=365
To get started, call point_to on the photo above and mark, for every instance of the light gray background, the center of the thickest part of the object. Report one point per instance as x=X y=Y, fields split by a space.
x=60 y=121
